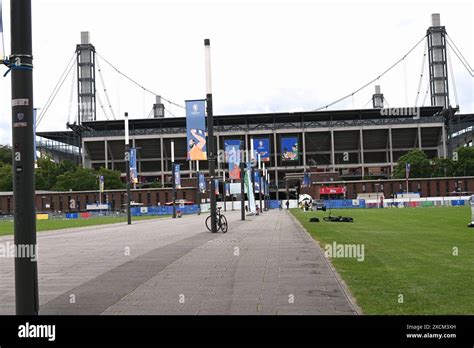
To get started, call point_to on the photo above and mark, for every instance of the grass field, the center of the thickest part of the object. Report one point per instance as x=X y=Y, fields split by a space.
x=6 y=227
x=408 y=252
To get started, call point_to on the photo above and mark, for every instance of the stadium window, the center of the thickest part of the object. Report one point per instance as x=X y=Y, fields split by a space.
x=166 y=197
x=140 y=197
x=400 y=187
x=184 y=194
x=61 y=203
x=122 y=199
x=363 y=188
x=446 y=183
x=148 y=198
x=87 y=199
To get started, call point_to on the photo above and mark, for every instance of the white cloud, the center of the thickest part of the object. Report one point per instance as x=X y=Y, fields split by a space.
x=267 y=56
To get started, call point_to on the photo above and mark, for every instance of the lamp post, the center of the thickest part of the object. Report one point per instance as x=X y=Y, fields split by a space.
x=224 y=190
x=127 y=168
x=198 y=175
x=242 y=189
x=173 y=174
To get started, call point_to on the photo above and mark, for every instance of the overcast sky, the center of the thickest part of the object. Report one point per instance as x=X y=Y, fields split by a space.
x=267 y=56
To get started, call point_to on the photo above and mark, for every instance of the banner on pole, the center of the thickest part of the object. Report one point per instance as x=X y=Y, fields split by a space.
x=216 y=187
x=307 y=179
x=257 y=181
x=202 y=183
x=232 y=156
x=227 y=189
x=407 y=170
x=177 y=176
x=133 y=166
x=196 y=130
x=101 y=183
x=262 y=147
x=289 y=149
x=248 y=185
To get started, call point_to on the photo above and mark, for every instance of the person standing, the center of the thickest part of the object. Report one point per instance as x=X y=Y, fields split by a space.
x=287 y=204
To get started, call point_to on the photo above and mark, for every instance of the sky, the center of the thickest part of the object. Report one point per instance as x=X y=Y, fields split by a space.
x=267 y=56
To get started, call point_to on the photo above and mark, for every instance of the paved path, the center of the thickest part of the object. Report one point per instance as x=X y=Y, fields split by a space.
x=265 y=265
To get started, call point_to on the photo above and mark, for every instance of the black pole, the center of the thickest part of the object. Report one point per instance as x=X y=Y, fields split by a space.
x=242 y=190
x=173 y=174
x=21 y=63
x=260 y=192
x=252 y=180
x=211 y=150
x=224 y=194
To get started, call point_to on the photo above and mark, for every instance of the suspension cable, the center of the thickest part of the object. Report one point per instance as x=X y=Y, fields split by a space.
x=56 y=89
x=466 y=65
x=71 y=95
x=452 y=42
x=137 y=84
x=105 y=90
x=421 y=73
x=373 y=80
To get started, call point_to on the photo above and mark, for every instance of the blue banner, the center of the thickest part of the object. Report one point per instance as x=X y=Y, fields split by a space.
x=307 y=179
x=133 y=165
x=227 y=189
x=262 y=146
x=289 y=149
x=101 y=183
x=257 y=181
x=177 y=176
x=232 y=156
x=202 y=183
x=196 y=130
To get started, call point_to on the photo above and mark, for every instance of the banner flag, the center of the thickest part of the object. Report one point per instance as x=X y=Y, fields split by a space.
x=133 y=165
x=216 y=186
x=407 y=170
x=101 y=183
x=307 y=179
x=289 y=149
x=262 y=146
x=248 y=184
x=257 y=181
x=202 y=183
x=2 y=45
x=232 y=156
x=177 y=176
x=227 y=189
x=196 y=130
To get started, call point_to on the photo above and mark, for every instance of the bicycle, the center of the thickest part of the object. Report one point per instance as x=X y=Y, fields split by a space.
x=221 y=222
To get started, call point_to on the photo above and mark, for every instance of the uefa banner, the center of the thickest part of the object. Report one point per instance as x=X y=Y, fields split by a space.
x=227 y=189
x=257 y=181
x=232 y=156
x=177 y=176
x=249 y=189
x=202 y=183
x=289 y=149
x=196 y=130
x=262 y=147
x=133 y=166
x=2 y=45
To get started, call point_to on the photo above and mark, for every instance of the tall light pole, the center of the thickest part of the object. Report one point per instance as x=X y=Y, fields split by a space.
x=198 y=175
x=173 y=174
x=127 y=168
x=21 y=64
x=210 y=135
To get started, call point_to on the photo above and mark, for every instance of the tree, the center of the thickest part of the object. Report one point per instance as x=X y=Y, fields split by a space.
x=112 y=179
x=46 y=173
x=419 y=165
x=83 y=179
x=5 y=154
x=443 y=167
x=6 y=177
x=465 y=163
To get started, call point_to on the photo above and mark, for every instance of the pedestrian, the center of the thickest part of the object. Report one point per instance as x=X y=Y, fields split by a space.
x=288 y=204
x=246 y=209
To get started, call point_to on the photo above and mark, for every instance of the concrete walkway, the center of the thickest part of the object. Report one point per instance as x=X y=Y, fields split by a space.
x=265 y=265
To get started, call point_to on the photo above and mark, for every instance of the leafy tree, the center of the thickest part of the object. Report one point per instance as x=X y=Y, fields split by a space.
x=82 y=179
x=6 y=177
x=46 y=173
x=443 y=167
x=5 y=154
x=465 y=163
x=111 y=179
x=419 y=165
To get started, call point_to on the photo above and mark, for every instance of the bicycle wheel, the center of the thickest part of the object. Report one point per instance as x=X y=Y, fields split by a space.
x=208 y=223
x=223 y=224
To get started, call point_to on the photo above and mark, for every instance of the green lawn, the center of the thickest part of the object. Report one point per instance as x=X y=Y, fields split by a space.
x=6 y=227
x=407 y=251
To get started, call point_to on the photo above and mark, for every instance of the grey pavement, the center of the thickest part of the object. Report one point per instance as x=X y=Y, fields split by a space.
x=265 y=265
